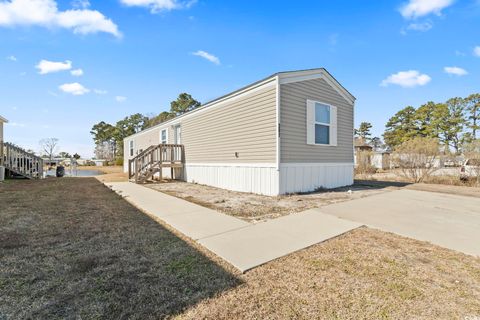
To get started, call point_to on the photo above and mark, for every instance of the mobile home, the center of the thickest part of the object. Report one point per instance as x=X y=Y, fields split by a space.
x=2 y=121
x=290 y=132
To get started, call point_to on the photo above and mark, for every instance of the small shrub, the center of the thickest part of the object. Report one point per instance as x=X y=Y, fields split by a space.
x=119 y=161
x=364 y=165
x=416 y=158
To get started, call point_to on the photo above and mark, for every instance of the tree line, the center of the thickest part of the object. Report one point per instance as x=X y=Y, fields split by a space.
x=108 y=138
x=454 y=124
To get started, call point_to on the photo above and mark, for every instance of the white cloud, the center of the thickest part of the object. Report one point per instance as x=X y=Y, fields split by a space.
x=455 y=71
x=159 y=5
x=12 y=58
x=120 y=98
x=45 y=66
x=98 y=91
x=420 y=8
x=45 y=13
x=80 y=4
x=423 y=26
x=74 y=88
x=77 y=72
x=476 y=51
x=210 y=57
x=407 y=79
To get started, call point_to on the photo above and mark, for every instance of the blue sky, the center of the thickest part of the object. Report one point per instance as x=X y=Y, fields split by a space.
x=138 y=55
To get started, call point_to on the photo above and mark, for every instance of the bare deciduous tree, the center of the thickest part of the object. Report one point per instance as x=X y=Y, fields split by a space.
x=49 y=146
x=416 y=158
x=364 y=167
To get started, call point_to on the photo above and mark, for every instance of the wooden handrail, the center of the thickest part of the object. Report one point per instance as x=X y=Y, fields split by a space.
x=149 y=161
x=21 y=162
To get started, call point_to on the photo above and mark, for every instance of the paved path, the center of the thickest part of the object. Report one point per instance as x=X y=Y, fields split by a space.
x=447 y=220
x=242 y=244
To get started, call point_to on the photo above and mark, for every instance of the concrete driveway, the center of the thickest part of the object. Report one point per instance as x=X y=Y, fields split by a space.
x=447 y=220
x=242 y=244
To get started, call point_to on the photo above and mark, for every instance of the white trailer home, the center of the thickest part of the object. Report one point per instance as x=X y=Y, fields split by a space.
x=290 y=132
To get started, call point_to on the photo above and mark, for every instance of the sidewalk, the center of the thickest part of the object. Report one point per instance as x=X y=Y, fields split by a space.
x=240 y=243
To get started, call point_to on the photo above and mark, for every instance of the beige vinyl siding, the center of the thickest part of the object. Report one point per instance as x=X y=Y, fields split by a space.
x=293 y=131
x=246 y=125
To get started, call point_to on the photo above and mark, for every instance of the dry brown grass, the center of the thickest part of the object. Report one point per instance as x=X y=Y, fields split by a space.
x=365 y=274
x=103 y=169
x=71 y=248
x=110 y=173
x=254 y=207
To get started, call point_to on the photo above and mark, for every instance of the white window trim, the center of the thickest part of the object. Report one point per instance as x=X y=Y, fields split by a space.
x=166 y=135
x=330 y=125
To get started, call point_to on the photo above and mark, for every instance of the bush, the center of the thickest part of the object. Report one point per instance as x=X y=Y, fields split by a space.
x=119 y=161
x=416 y=158
x=364 y=165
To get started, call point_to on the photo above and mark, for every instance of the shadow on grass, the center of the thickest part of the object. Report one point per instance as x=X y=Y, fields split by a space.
x=71 y=248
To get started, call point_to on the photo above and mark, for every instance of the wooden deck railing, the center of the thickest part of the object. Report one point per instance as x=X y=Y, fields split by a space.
x=151 y=161
x=21 y=162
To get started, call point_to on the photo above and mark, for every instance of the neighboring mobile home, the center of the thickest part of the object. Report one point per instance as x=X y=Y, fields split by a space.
x=290 y=132
x=2 y=121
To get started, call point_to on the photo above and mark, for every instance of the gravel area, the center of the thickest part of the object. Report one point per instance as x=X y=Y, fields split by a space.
x=254 y=208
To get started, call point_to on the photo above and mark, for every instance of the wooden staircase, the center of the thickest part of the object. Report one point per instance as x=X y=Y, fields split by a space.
x=149 y=163
x=20 y=162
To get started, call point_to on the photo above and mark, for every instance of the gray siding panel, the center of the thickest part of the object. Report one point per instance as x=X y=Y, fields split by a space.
x=246 y=125
x=293 y=133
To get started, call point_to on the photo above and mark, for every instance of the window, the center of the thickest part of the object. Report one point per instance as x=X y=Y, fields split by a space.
x=163 y=136
x=131 y=148
x=321 y=123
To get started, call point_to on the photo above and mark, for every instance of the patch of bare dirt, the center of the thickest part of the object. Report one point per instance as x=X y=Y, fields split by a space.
x=254 y=207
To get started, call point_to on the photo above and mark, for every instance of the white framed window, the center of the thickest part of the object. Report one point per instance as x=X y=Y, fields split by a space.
x=164 y=136
x=131 y=148
x=321 y=123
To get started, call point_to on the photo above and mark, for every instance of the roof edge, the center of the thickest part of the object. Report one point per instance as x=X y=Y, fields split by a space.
x=4 y=120
x=210 y=103
x=241 y=90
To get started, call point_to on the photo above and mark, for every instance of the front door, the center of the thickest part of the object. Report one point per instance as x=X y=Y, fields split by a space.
x=177 y=134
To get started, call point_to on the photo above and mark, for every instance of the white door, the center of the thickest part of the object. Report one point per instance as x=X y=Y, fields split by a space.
x=177 y=134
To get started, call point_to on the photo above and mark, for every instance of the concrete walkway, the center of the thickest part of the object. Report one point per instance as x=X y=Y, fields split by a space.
x=240 y=243
x=450 y=221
